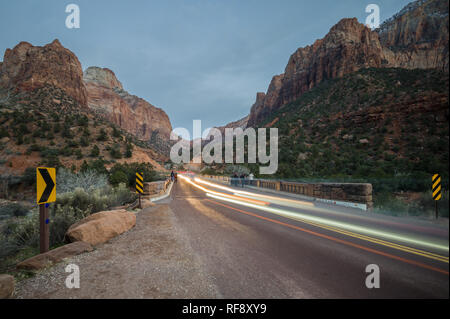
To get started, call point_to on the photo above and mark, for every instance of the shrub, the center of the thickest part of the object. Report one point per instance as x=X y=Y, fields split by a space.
x=78 y=154
x=97 y=165
x=87 y=180
x=103 y=136
x=130 y=169
x=115 y=152
x=52 y=161
x=118 y=177
x=116 y=132
x=129 y=151
x=95 y=152
x=14 y=209
x=18 y=233
x=84 y=141
x=4 y=133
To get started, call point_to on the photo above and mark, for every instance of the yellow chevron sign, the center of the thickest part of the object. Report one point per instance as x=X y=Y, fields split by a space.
x=437 y=193
x=139 y=183
x=45 y=185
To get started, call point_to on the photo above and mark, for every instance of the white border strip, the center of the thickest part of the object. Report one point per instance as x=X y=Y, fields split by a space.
x=167 y=194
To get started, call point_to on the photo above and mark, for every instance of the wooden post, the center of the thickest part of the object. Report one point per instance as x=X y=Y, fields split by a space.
x=436 y=203
x=140 y=205
x=44 y=228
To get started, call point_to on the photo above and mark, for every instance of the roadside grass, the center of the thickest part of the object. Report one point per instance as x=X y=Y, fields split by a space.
x=19 y=235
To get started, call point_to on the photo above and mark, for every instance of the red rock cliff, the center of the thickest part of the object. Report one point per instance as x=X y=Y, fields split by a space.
x=417 y=37
x=27 y=67
x=135 y=115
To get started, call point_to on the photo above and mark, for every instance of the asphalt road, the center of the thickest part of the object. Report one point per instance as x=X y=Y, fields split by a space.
x=255 y=253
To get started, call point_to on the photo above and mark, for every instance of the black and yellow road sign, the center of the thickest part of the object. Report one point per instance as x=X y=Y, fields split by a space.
x=437 y=192
x=139 y=183
x=45 y=185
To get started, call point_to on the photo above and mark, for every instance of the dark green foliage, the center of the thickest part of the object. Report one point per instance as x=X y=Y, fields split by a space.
x=103 y=136
x=96 y=165
x=29 y=176
x=95 y=152
x=311 y=136
x=84 y=141
x=118 y=177
x=115 y=152
x=116 y=132
x=130 y=171
x=129 y=151
x=13 y=209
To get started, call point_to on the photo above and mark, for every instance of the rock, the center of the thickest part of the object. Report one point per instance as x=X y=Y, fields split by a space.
x=107 y=97
x=348 y=47
x=302 y=156
x=364 y=141
x=54 y=256
x=27 y=67
x=101 y=227
x=417 y=37
x=6 y=286
x=347 y=137
x=4 y=140
x=242 y=123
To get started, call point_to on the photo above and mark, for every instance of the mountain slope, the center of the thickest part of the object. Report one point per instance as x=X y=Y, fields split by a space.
x=376 y=123
x=48 y=113
x=47 y=127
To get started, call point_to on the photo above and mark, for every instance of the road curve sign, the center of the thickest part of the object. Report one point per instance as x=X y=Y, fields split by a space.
x=45 y=185
x=437 y=193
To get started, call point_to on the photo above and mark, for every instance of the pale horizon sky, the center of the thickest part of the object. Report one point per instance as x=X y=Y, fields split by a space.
x=195 y=59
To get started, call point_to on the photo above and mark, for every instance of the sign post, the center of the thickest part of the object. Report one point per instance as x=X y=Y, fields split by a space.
x=437 y=191
x=140 y=186
x=46 y=193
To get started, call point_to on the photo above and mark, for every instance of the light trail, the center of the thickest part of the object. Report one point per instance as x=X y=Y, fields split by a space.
x=336 y=225
x=209 y=191
x=335 y=239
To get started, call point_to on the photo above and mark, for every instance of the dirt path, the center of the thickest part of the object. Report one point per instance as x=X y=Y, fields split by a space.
x=153 y=260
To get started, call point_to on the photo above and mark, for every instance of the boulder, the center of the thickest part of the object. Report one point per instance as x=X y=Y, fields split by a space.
x=54 y=256
x=6 y=286
x=101 y=227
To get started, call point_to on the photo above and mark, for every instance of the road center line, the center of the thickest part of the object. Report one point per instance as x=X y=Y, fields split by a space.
x=408 y=261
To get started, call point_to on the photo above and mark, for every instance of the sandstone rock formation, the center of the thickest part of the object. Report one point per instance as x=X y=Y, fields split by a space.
x=27 y=67
x=417 y=37
x=6 y=286
x=54 y=256
x=242 y=123
x=101 y=227
x=135 y=115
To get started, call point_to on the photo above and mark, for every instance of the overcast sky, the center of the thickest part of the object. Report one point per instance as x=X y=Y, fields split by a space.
x=196 y=59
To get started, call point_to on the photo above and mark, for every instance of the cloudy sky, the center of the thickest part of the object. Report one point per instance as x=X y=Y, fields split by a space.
x=196 y=59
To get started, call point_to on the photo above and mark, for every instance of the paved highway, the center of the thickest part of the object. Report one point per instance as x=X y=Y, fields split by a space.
x=261 y=245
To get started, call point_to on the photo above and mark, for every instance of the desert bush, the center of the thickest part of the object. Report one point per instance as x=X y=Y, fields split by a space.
x=13 y=209
x=103 y=136
x=87 y=180
x=130 y=169
x=95 y=152
x=115 y=152
x=118 y=177
x=18 y=233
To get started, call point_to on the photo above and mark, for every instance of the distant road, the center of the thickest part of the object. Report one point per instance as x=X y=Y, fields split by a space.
x=255 y=245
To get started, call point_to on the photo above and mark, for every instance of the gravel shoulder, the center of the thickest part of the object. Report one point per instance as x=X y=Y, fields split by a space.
x=152 y=260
